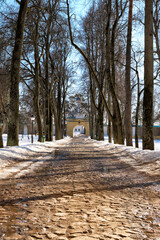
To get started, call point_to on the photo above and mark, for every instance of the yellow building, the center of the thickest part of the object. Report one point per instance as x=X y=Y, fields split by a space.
x=76 y=126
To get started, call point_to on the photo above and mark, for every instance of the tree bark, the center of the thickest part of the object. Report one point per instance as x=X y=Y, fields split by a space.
x=148 y=140
x=118 y=132
x=109 y=129
x=99 y=122
x=2 y=120
x=1 y=138
x=128 y=121
x=57 y=119
x=137 y=111
x=38 y=117
x=92 y=121
x=137 y=107
x=50 y=124
x=36 y=82
x=13 y=117
x=47 y=102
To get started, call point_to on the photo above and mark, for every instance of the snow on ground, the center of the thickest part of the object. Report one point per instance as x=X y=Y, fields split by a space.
x=144 y=160
x=28 y=155
x=156 y=143
x=19 y=159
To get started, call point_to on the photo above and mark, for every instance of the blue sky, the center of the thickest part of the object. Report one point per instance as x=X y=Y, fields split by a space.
x=80 y=7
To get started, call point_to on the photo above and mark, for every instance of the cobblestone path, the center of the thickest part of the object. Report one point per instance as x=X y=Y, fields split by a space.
x=81 y=192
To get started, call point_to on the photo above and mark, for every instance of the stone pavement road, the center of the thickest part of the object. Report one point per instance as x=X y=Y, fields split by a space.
x=81 y=192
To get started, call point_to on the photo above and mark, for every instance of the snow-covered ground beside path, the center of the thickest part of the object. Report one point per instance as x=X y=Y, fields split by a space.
x=156 y=143
x=26 y=156
x=143 y=160
x=18 y=160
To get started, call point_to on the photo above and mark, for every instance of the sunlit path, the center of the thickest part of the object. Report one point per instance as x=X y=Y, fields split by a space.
x=81 y=191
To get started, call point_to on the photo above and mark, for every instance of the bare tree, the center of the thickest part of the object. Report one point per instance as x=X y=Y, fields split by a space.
x=148 y=140
x=139 y=93
x=128 y=124
x=94 y=38
x=13 y=117
x=59 y=82
x=118 y=131
x=4 y=93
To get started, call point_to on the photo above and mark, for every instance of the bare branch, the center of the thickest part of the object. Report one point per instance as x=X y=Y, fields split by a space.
x=18 y=2
x=89 y=64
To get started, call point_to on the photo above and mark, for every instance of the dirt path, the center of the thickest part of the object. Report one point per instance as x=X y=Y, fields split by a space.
x=80 y=192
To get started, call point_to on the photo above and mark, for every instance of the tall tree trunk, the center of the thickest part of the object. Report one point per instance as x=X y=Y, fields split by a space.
x=91 y=122
x=2 y=120
x=137 y=117
x=118 y=132
x=99 y=122
x=59 y=108
x=112 y=77
x=148 y=140
x=64 y=120
x=50 y=124
x=137 y=111
x=58 y=131
x=38 y=117
x=58 y=124
x=1 y=138
x=57 y=120
x=128 y=122
x=47 y=91
x=109 y=129
x=48 y=112
x=108 y=65
x=93 y=108
x=137 y=107
x=36 y=82
x=13 y=117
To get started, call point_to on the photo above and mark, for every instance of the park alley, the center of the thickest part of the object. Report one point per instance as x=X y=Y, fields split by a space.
x=81 y=190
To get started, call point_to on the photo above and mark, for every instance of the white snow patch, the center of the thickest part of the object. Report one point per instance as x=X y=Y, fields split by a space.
x=22 y=159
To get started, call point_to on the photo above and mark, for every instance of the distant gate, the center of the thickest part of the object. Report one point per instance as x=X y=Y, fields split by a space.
x=73 y=122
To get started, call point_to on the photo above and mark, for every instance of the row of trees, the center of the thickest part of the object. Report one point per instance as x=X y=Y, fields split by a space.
x=41 y=67
x=107 y=51
x=110 y=63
